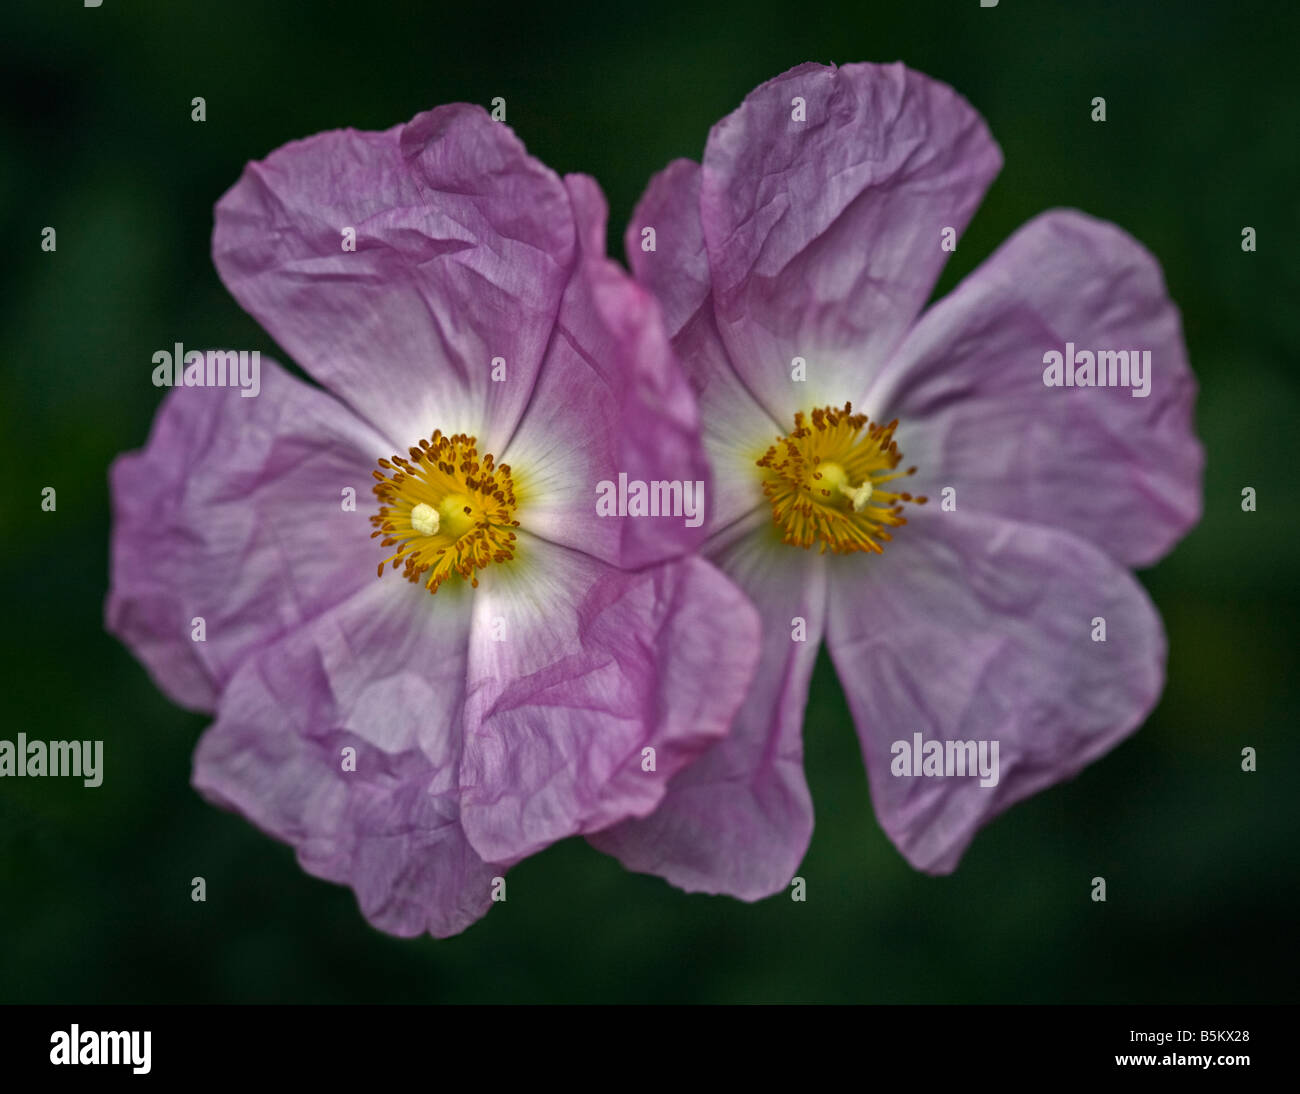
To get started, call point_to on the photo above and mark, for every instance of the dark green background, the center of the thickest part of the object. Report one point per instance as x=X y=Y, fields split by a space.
x=1200 y=859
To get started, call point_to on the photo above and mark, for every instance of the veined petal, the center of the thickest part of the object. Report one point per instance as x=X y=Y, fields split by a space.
x=382 y=675
x=576 y=669
x=738 y=820
x=611 y=400
x=824 y=200
x=1122 y=471
x=234 y=513
x=463 y=246
x=676 y=270
x=981 y=629
x=736 y=429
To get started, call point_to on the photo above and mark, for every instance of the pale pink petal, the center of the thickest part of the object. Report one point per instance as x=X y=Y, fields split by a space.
x=739 y=819
x=236 y=513
x=381 y=675
x=737 y=431
x=1121 y=471
x=976 y=628
x=825 y=234
x=463 y=247
x=611 y=400
x=576 y=669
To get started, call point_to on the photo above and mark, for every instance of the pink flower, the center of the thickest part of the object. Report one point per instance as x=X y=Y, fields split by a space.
x=793 y=266
x=407 y=745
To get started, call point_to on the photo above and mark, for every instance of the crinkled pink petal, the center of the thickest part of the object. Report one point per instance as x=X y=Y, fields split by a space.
x=737 y=430
x=463 y=248
x=824 y=234
x=611 y=400
x=976 y=628
x=234 y=512
x=576 y=669
x=673 y=263
x=383 y=675
x=738 y=820
x=1121 y=471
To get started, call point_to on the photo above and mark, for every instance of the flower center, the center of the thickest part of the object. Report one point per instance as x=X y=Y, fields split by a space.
x=445 y=510
x=824 y=481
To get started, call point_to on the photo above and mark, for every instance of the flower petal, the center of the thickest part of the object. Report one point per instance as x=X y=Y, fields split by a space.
x=738 y=820
x=611 y=399
x=975 y=628
x=382 y=674
x=1121 y=471
x=463 y=246
x=676 y=270
x=824 y=234
x=576 y=669
x=737 y=430
x=234 y=513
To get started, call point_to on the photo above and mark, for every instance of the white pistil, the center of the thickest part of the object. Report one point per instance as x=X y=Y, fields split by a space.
x=859 y=495
x=425 y=519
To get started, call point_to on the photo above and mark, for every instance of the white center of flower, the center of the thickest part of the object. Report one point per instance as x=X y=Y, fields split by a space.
x=425 y=519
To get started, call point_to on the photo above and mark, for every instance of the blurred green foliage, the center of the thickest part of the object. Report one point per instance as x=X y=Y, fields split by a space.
x=96 y=139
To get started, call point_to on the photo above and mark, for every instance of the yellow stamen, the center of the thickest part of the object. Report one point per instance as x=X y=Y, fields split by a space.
x=824 y=482
x=445 y=510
